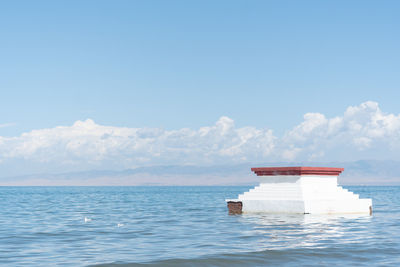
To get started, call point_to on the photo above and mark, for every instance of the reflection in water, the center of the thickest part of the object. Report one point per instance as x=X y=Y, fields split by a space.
x=276 y=231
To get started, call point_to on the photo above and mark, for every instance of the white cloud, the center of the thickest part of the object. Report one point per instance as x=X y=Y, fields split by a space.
x=88 y=143
x=362 y=131
x=10 y=124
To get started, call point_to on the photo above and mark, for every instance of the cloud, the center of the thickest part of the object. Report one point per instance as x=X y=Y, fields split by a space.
x=4 y=125
x=93 y=145
x=361 y=132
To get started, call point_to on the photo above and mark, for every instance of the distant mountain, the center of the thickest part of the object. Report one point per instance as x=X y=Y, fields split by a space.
x=363 y=172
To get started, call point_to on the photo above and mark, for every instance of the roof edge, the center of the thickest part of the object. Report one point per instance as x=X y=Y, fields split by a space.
x=273 y=171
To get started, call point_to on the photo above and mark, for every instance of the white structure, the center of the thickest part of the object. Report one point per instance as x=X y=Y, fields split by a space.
x=307 y=190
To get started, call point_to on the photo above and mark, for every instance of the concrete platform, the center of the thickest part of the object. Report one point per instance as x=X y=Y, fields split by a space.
x=306 y=190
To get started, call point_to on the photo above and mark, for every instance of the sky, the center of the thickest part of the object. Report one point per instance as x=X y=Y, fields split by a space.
x=120 y=84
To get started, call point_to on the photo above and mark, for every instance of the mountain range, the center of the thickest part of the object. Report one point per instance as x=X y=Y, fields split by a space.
x=362 y=172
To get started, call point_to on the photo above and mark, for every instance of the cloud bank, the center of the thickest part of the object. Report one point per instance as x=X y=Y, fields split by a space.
x=362 y=132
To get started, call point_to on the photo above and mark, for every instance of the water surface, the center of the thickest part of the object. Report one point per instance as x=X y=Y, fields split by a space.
x=187 y=226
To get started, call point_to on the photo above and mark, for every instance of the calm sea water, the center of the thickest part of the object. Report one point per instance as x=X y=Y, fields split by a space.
x=185 y=226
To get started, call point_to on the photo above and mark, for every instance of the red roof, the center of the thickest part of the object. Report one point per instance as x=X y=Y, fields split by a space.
x=271 y=171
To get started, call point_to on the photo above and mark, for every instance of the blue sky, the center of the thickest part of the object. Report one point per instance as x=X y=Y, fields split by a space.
x=185 y=64
x=176 y=64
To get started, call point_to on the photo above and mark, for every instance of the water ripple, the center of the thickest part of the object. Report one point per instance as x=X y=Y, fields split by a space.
x=186 y=226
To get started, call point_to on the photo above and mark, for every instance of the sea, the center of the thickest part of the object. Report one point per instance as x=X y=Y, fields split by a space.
x=187 y=226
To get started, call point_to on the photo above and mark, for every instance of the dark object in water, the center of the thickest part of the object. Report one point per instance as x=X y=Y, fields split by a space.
x=235 y=207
